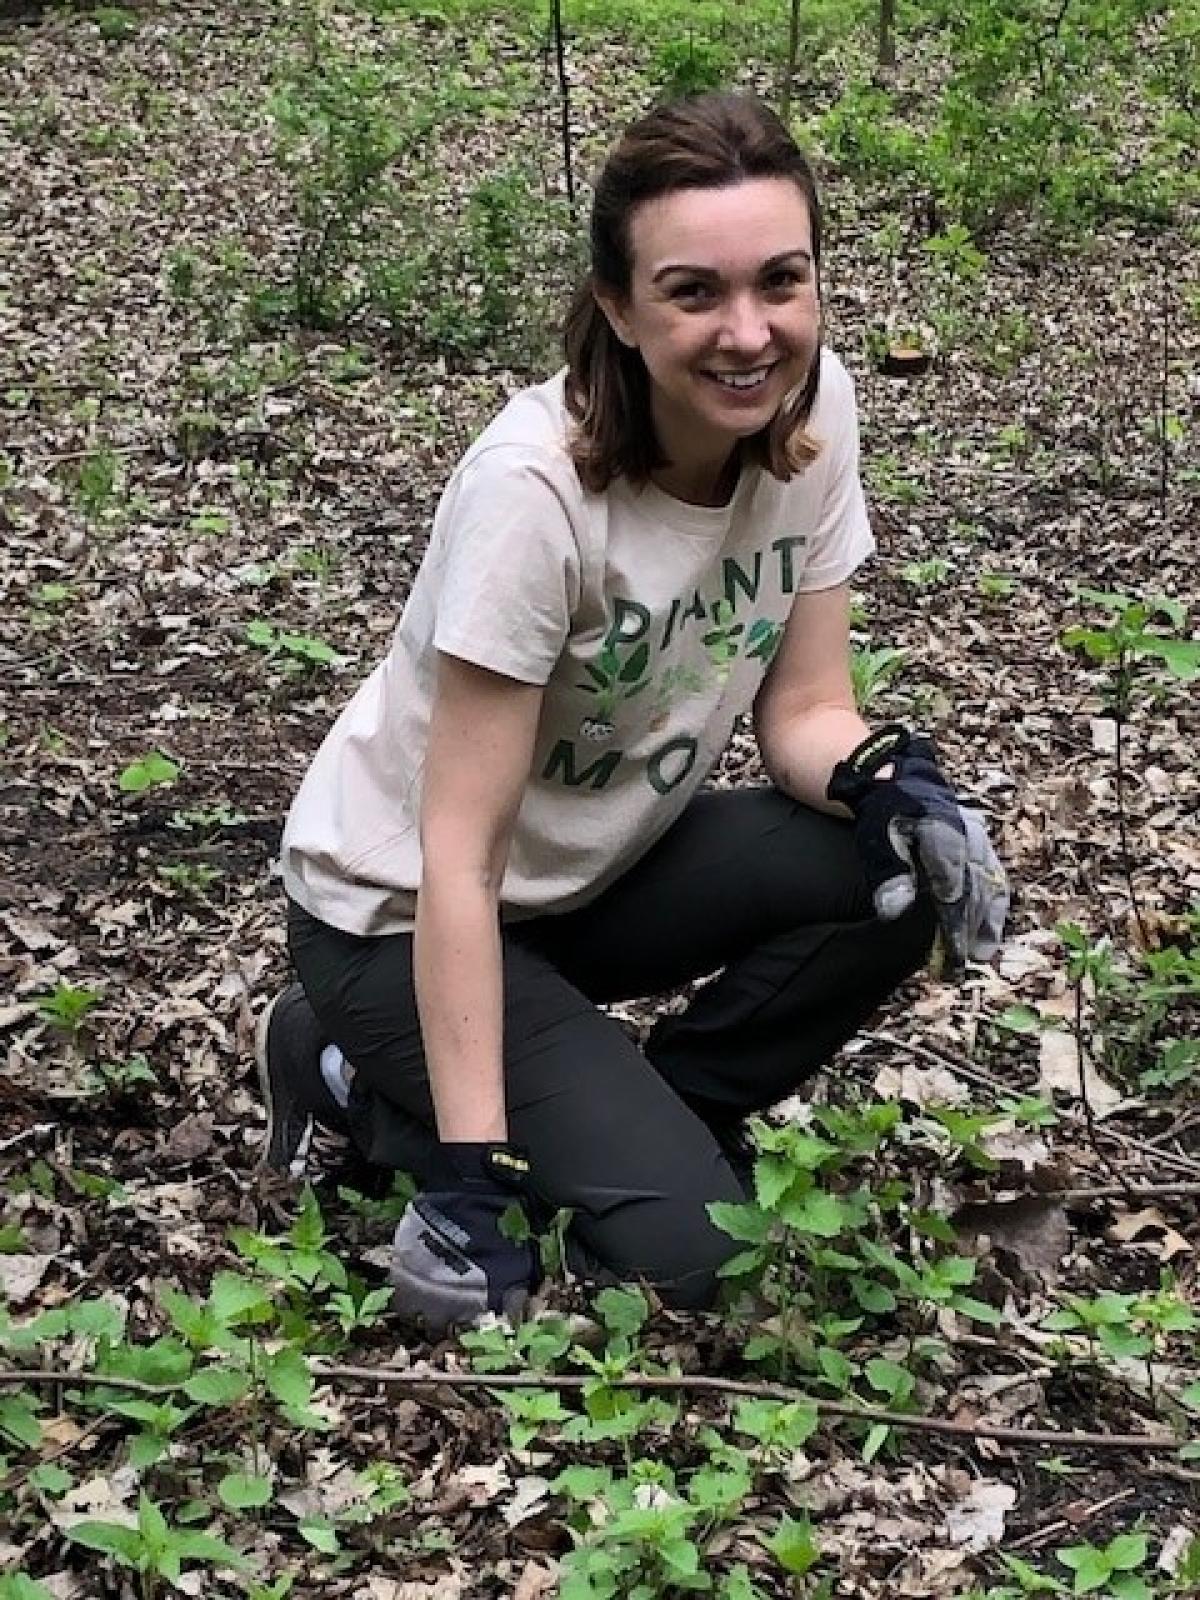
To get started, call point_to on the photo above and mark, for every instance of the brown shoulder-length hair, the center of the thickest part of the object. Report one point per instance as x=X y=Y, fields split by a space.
x=704 y=141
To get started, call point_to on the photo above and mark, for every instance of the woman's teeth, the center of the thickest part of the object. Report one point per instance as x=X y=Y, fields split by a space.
x=741 y=380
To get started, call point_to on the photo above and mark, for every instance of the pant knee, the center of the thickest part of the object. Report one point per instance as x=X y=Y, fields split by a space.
x=670 y=1244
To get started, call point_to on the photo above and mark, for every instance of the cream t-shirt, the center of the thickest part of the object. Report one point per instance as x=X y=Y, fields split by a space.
x=651 y=623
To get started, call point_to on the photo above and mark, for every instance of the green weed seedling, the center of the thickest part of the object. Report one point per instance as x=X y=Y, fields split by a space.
x=540 y=1345
x=318 y=561
x=891 y=482
x=180 y=268
x=16 y=1586
x=99 y=480
x=1138 y=642
x=1111 y=1568
x=1121 y=1010
x=120 y=1079
x=997 y=585
x=297 y=652
x=211 y=522
x=191 y=878
x=115 y=22
x=871 y=670
x=1127 y=1327
x=54 y=596
x=1027 y=1581
x=68 y=1006
x=611 y=1412
x=1138 y=636
x=643 y=1548
x=155 y=1549
x=926 y=574
x=151 y=771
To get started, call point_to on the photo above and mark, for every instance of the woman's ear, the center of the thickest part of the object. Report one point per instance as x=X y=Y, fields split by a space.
x=613 y=307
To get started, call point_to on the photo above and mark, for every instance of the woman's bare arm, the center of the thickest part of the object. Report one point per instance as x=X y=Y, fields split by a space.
x=480 y=749
x=805 y=719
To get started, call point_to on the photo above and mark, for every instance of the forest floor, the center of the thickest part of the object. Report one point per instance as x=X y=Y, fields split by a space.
x=176 y=485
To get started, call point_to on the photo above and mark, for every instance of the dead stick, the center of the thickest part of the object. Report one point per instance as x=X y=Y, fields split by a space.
x=1115 y=1191
x=402 y=1378
x=1040 y=1535
x=1021 y=1437
x=939 y=1057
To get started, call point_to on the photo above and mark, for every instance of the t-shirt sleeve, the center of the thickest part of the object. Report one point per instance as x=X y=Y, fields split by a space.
x=510 y=567
x=842 y=540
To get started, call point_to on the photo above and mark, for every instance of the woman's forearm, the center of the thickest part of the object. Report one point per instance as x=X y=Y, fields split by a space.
x=458 y=973
x=803 y=750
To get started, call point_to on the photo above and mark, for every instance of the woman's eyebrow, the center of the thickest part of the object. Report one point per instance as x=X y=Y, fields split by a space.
x=711 y=272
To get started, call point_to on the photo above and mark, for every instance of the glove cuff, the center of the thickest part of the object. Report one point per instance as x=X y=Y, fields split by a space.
x=490 y=1166
x=855 y=774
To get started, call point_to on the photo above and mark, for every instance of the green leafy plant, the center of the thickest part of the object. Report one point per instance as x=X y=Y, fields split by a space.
x=872 y=669
x=151 y=771
x=98 y=481
x=155 y=1548
x=927 y=573
x=689 y=65
x=339 y=133
x=68 y=1006
x=193 y=878
x=1131 y=645
x=120 y=1079
x=115 y=22
x=298 y=652
x=1112 y=1567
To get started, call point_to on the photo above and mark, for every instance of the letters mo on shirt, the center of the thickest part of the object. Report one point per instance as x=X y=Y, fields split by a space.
x=650 y=662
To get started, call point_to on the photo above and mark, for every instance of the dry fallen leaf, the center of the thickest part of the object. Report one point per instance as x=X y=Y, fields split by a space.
x=1130 y=1227
x=534 y=1582
x=1059 y=1067
x=978 y=1520
x=21 y=1275
x=921 y=1086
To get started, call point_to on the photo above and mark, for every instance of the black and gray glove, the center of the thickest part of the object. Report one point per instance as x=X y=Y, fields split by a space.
x=450 y=1260
x=912 y=833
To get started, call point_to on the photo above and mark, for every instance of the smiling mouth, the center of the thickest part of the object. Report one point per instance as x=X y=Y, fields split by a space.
x=743 y=382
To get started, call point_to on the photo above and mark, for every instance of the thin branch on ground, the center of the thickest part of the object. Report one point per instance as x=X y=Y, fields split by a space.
x=1040 y=1536
x=688 y=1383
x=939 y=1056
x=1120 y=1191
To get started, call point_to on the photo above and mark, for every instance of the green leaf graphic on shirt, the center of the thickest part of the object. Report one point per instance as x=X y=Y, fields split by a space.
x=721 y=641
x=614 y=679
x=675 y=684
x=763 y=640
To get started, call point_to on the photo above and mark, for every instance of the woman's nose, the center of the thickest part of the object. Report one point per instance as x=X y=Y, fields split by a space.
x=745 y=326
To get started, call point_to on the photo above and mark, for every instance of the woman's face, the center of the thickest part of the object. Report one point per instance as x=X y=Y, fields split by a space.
x=723 y=307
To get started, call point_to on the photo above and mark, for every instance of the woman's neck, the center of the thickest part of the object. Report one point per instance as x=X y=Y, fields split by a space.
x=701 y=485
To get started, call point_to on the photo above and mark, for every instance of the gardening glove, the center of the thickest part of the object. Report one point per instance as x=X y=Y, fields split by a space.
x=450 y=1260
x=912 y=833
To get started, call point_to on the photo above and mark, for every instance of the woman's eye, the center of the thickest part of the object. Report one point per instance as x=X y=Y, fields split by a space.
x=690 y=292
x=785 y=278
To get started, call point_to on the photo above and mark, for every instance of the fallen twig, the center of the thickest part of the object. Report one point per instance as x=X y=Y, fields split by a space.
x=939 y=1056
x=1040 y=1536
x=1117 y=1191
x=405 y=1378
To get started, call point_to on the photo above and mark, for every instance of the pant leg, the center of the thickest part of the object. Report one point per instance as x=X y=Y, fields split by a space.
x=606 y=1134
x=771 y=894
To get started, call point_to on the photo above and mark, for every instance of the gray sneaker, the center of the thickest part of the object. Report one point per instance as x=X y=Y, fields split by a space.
x=288 y=1049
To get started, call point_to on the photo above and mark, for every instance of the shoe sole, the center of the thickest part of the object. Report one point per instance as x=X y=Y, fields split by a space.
x=287 y=1138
